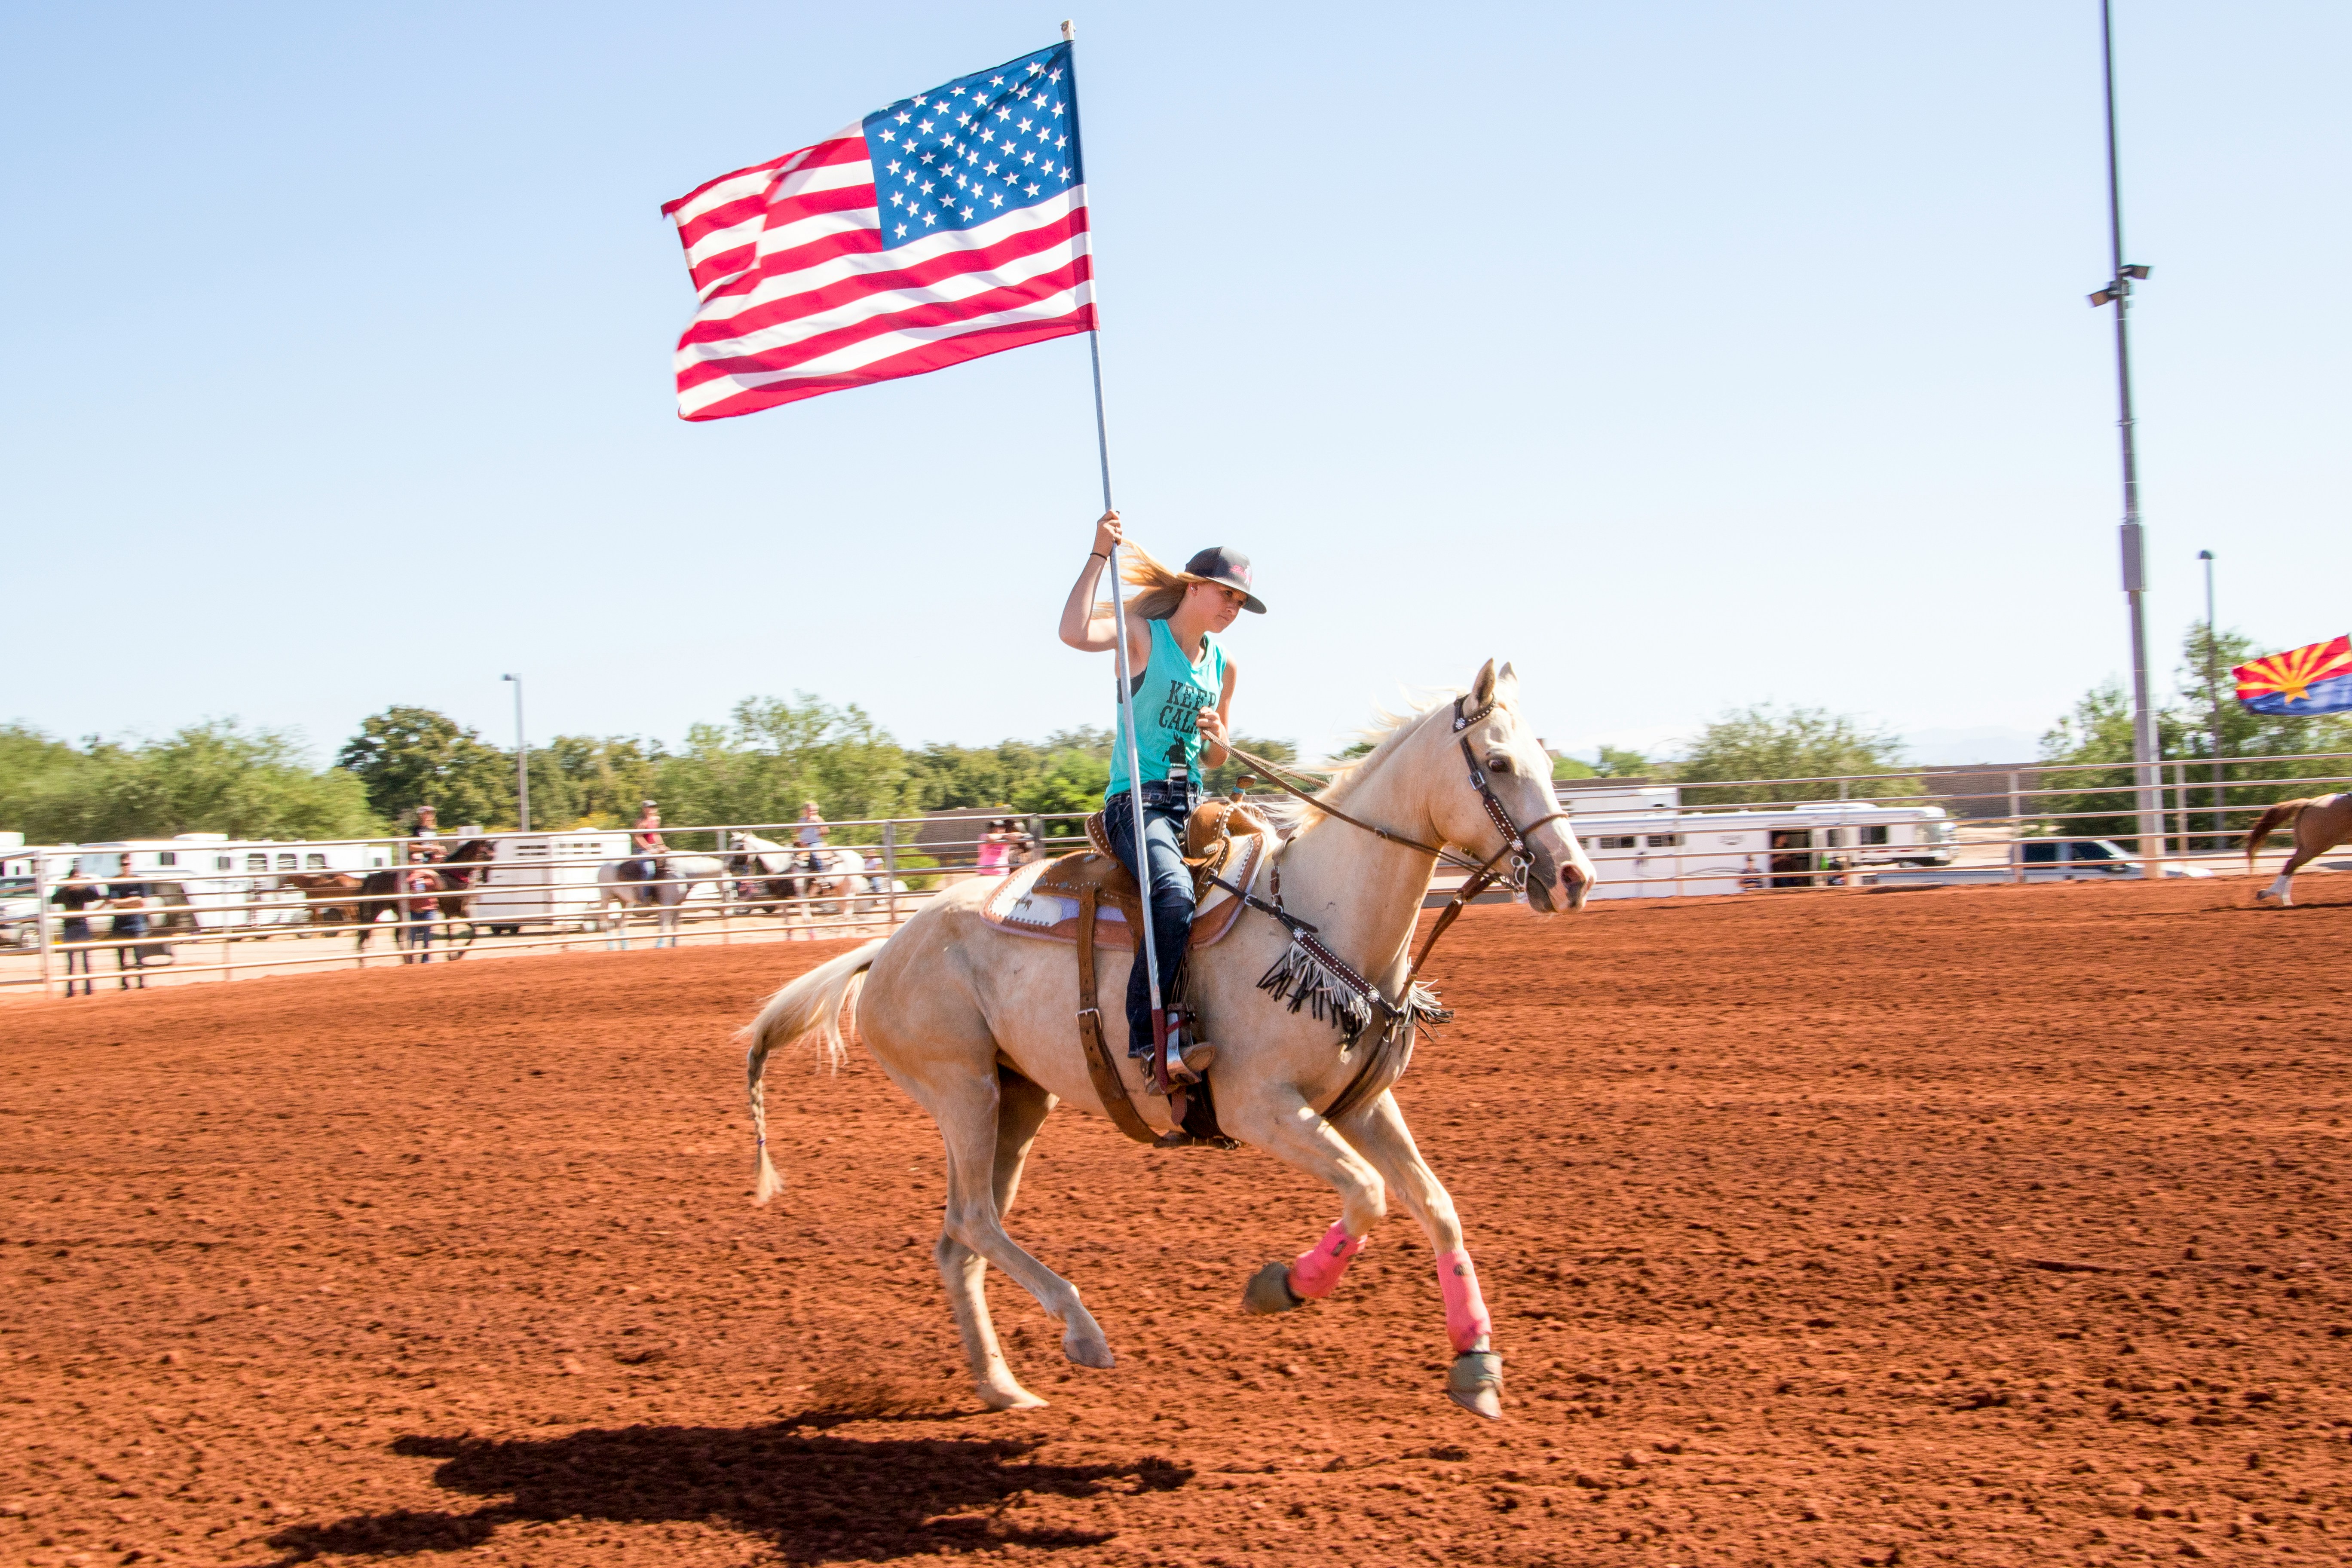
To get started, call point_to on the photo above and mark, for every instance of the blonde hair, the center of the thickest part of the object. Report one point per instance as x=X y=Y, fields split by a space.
x=1161 y=588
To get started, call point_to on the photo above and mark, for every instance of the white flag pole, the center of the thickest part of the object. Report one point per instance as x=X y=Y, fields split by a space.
x=1118 y=633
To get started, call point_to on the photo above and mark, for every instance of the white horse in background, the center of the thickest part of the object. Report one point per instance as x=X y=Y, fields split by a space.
x=679 y=874
x=841 y=879
x=980 y=1027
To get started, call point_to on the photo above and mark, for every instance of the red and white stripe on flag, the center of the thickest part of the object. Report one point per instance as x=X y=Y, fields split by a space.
x=802 y=294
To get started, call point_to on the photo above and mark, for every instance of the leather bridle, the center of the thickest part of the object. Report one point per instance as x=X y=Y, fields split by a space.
x=1482 y=874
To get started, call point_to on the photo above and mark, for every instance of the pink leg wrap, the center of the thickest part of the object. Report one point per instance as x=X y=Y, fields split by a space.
x=1314 y=1272
x=1466 y=1322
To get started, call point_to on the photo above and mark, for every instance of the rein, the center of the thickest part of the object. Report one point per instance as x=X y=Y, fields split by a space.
x=1482 y=874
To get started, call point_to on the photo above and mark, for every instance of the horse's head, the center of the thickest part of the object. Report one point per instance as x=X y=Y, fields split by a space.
x=457 y=865
x=1503 y=751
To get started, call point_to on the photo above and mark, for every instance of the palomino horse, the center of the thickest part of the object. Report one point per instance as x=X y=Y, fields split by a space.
x=980 y=1027
x=677 y=878
x=380 y=890
x=2321 y=824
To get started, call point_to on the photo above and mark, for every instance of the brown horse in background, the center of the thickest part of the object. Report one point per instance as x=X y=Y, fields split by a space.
x=2321 y=824
x=454 y=875
x=327 y=896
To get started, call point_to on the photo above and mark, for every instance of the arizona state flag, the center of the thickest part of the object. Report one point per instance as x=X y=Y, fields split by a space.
x=2312 y=680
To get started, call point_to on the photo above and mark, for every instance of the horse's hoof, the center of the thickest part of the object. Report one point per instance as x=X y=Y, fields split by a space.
x=1475 y=1383
x=1089 y=1350
x=1010 y=1397
x=1268 y=1292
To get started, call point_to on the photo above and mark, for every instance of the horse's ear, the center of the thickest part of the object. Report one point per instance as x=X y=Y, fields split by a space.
x=1507 y=679
x=1482 y=690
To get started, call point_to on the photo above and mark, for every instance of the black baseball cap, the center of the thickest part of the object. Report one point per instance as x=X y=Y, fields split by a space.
x=1232 y=568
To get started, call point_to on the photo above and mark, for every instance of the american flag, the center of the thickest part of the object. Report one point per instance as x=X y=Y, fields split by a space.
x=949 y=226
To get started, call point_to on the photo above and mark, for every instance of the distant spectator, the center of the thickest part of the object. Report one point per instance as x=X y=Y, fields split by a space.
x=126 y=902
x=420 y=886
x=995 y=847
x=75 y=897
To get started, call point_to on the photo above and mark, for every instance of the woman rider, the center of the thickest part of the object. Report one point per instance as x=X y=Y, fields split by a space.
x=1183 y=698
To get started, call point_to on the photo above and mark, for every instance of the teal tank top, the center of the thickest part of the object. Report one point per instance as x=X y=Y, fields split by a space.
x=1169 y=696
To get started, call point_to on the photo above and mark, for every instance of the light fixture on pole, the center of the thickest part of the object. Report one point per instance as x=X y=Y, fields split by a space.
x=522 y=761
x=2118 y=292
x=2213 y=688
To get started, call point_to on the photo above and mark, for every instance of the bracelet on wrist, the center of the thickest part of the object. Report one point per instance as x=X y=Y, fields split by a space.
x=1092 y=553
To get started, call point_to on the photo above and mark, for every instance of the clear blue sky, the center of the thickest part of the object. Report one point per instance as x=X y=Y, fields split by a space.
x=1688 y=356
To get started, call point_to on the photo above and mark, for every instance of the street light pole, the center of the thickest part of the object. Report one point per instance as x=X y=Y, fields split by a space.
x=2118 y=293
x=2213 y=688
x=522 y=759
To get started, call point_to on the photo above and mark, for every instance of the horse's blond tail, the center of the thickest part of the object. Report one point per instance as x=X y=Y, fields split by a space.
x=2277 y=816
x=812 y=1005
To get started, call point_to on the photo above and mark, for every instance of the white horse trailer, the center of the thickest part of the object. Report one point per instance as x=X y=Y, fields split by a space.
x=228 y=884
x=544 y=880
x=1684 y=854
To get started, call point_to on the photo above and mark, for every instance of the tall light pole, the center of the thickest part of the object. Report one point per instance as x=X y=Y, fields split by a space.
x=2213 y=688
x=2118 y=293
x=522 y=759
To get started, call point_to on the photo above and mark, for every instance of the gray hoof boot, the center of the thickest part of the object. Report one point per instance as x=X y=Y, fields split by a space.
x=1475 y=1383
x=1268 y=1291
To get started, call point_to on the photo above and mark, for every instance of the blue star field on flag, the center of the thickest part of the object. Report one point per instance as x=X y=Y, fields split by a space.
x=976 y=147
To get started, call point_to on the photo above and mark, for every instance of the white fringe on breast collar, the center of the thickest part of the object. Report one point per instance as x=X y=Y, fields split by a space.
x=1309 y=975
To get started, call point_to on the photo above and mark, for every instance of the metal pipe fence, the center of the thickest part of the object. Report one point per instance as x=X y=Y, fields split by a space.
x=162 y=899
x=2042 y=811
x=537 y=892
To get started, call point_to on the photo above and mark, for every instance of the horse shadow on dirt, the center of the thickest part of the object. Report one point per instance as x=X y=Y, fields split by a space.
x=812 y=1495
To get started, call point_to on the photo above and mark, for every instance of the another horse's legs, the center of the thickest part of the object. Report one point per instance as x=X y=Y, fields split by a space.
x=1477 y=1381
x=1021 y=1108
x=615 y=911
x=1290 y=1131
x=971 y=1121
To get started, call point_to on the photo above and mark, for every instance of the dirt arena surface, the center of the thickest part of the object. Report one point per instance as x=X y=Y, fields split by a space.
x=1992 y=1225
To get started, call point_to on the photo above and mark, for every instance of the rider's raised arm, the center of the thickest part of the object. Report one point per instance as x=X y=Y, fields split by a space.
x=1085 y=627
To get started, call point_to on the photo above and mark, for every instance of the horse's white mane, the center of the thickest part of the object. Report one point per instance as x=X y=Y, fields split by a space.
x=1386 y=732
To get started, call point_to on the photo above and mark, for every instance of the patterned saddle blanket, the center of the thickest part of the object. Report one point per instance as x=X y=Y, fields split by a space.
x=1042 y=900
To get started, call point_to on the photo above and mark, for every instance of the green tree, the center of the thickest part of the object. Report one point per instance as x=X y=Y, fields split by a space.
x=1801 y=743
x=1567 y=767
x=587 y=781
x=40 y=779
x=1621 y=762
x=212 y=777
x=772 y=754
x=408 y=757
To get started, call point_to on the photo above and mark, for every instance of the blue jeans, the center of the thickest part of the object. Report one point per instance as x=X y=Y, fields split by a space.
x=420 y=939
x=1169 y=898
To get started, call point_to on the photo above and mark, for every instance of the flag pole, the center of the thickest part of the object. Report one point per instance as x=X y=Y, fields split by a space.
x=1118 y=642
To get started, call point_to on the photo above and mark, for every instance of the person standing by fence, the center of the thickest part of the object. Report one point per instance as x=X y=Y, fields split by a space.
x=996 y=847
x=128 y=902
x=420 y=886
x=74 y=896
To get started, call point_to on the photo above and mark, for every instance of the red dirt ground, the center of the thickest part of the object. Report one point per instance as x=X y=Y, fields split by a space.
x=1972 y=1226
